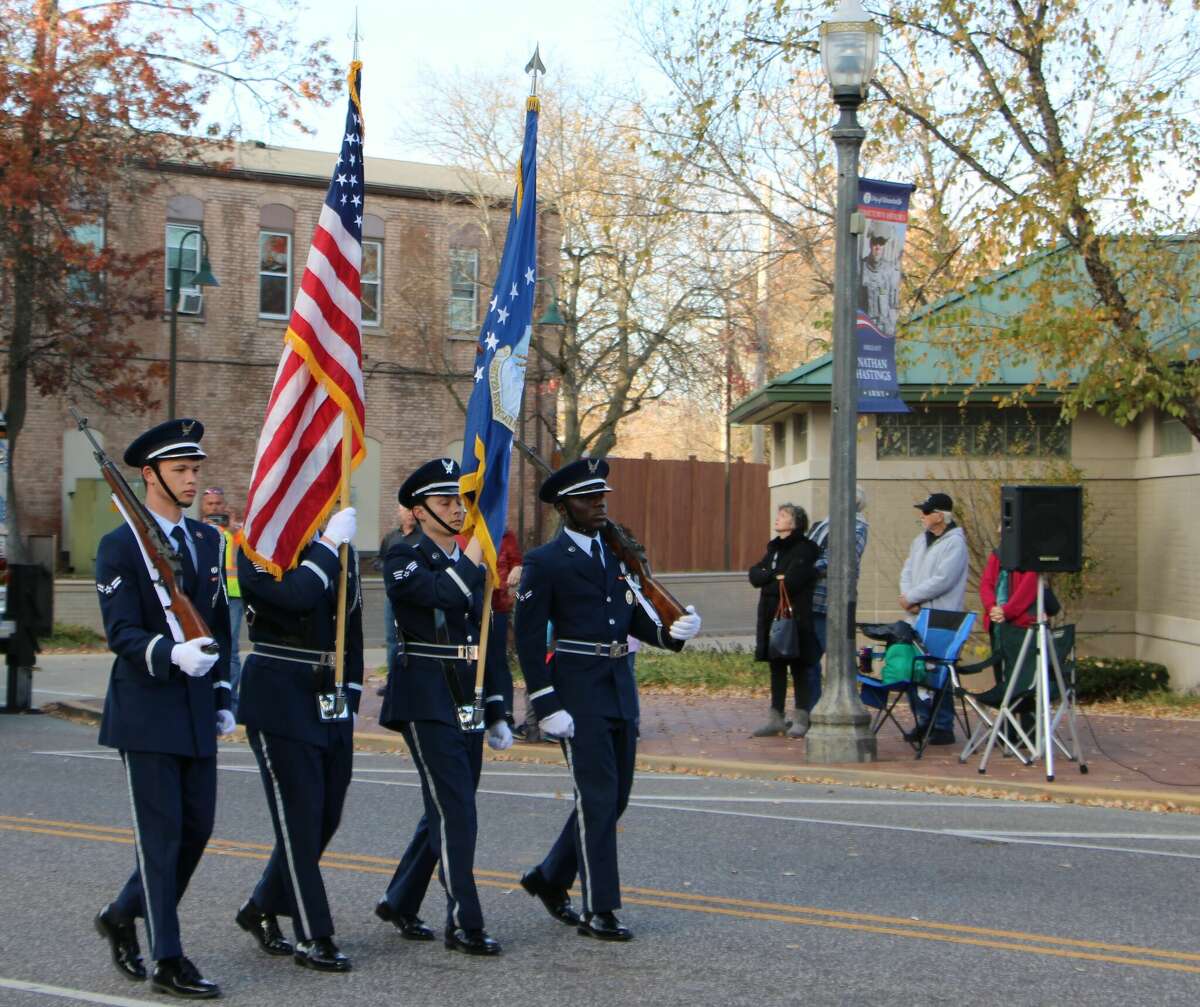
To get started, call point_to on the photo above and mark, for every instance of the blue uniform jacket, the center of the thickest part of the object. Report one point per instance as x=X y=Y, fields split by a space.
x=562 y=587
x=151 y=705
x=420 y=580
x=279 y=696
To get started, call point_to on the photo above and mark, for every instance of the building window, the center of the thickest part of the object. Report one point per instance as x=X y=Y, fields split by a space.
x=464 y=286
x=778 y=458
x=187 y=259
x=973 y=432
x=83 y=285
x=1171 y=437
x=274 y=274
x=799 y=438
x=372 y=281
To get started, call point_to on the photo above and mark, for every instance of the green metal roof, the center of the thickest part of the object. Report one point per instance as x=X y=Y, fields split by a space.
x=931 y=368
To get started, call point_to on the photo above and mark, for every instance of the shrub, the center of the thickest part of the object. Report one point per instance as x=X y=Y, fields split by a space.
x=1101 y=678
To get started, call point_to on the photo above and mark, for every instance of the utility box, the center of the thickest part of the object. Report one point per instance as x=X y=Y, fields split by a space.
x=92 y=517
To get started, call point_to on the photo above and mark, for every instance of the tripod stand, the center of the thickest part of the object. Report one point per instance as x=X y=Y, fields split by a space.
x=1047 y=717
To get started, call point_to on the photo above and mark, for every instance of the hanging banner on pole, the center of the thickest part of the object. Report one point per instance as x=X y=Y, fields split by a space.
x=884 y=205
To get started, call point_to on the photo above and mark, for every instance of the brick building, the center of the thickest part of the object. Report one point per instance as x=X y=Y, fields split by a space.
x=432 y=237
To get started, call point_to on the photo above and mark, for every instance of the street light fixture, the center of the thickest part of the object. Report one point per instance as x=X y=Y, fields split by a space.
x=841 y=727
x=203 y=278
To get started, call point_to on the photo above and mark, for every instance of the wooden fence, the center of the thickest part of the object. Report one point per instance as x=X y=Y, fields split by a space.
x=677 y=510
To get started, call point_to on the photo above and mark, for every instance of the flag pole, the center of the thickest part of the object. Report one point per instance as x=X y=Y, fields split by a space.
x=343 y=561
x=533 y=68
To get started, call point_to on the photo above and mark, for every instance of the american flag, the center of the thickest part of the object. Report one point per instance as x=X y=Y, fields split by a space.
x=319 y=384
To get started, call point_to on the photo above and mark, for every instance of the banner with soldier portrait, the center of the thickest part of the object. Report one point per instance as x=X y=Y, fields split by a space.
x=884 y=205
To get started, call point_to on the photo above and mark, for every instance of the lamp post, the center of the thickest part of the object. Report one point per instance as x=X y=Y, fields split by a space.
x=841 y=730
x=203 y=278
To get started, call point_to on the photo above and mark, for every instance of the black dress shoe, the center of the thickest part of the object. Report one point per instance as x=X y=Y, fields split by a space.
x=605 y=926
x=122 y=939
x=941 y=736
x=264 y=927
x=556 y=900
x=180 y=978
x=473 y=942
x=412 y=928
x=321 y=954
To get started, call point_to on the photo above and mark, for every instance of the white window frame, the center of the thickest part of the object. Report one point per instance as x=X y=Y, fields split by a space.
x=169 y=246
x=287 y=298
x=474 y=259
x=378 y=282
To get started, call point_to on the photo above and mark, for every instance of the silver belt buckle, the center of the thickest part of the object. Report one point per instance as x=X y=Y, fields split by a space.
x=470 y=717
x=333 y=706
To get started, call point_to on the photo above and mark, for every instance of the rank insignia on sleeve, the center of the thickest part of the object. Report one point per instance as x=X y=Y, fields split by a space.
x=402 y=574
x=110 y=587
x=526 y=596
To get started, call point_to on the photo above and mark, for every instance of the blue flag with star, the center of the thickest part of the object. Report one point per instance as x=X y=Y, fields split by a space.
x=501 y=356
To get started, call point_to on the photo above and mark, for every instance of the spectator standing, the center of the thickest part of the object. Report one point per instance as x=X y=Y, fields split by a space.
x=1008 y=596
x=934 y=576
x=406 y=531
x=819 y=535
x=791 y=560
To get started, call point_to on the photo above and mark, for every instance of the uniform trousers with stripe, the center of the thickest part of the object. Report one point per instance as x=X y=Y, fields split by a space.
x=449 y=761
x=306 y=790
x=600 y=757
x=174 y=800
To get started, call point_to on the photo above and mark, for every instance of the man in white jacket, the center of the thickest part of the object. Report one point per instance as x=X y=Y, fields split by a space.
x=935 y=576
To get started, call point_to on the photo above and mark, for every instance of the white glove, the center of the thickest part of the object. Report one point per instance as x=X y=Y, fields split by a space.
x=225 y=723
x=342 y=526
x=499 y=736
x=686 y=626
x=191 y=660
x=560 y=723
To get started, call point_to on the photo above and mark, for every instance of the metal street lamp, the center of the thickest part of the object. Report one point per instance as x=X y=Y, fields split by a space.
x=203 y=278
x=841 y=727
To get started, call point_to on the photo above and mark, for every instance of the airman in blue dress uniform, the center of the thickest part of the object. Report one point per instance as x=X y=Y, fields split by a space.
x=436 y=590
x=577 y=594
x=167 y=701
x=305 y=759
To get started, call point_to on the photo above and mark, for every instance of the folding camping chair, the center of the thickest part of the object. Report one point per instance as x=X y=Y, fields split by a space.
x=1007 y=712
x=938 y=636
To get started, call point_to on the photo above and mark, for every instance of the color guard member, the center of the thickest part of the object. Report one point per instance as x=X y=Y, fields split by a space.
x=575 y=588
x=165 y=706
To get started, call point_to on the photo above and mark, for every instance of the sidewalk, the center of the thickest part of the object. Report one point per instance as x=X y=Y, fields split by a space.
x=707 y=735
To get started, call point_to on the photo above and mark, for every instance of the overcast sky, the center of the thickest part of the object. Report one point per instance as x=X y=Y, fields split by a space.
x=407 y=45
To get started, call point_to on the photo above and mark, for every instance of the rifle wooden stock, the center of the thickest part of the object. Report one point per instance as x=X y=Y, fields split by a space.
x=163 y=557
x=630 y=552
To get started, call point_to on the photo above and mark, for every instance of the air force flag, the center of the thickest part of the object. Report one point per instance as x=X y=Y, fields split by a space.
x=501 y=357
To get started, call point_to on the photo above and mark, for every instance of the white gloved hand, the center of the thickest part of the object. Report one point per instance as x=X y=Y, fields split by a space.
x=560 y=723
x=499 y=736
x=342 y=526
x=191 y=660
x=686 y=626
x=225 y=723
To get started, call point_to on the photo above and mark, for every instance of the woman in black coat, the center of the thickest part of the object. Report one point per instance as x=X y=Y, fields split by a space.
x=791 y=558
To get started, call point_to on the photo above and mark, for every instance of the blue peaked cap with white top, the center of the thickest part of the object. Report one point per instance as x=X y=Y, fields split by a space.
x=173 y=439
x=437 y=478
x=580 y=478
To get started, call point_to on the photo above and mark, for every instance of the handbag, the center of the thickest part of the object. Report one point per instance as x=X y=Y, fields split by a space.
x=783 y=642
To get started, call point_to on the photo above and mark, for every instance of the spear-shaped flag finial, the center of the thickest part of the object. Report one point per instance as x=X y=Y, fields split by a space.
x=534 y=67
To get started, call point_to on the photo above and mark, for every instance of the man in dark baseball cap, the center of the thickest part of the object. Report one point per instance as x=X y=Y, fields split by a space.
x=935 y=502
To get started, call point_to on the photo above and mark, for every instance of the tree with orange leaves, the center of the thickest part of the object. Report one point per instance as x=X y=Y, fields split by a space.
x=88 y=90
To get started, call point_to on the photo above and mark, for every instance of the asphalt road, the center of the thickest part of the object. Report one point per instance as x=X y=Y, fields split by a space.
x=739 y=892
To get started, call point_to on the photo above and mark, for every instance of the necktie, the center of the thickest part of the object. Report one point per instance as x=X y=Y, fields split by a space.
x=599 y=563
x=189 y=568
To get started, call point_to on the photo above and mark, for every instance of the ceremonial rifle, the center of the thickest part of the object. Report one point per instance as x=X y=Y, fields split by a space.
x=165 y=561
x=633 y=554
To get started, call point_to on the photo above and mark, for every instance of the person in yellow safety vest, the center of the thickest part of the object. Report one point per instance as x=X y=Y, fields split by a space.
x=214 y=510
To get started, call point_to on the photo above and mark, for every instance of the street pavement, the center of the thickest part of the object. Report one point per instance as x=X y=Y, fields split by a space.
x=740 y=890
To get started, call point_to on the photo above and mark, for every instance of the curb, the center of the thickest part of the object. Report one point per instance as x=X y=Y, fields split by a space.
x=1057 y=793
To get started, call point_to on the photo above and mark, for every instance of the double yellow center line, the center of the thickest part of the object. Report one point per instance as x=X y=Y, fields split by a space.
x=694 y=902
